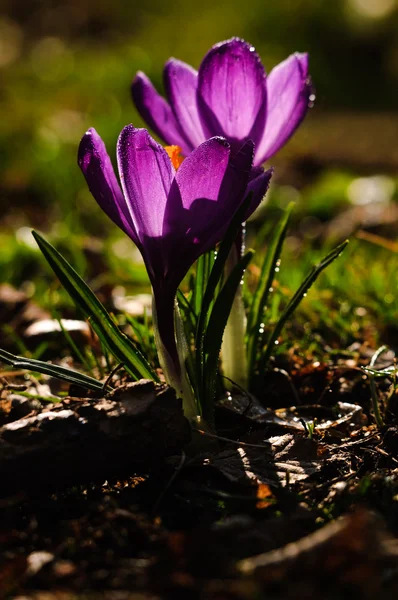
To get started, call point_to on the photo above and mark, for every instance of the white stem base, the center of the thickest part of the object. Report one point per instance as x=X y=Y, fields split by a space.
x=233 y=349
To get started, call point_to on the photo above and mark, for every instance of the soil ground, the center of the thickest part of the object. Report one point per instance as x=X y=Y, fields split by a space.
x=274 y=507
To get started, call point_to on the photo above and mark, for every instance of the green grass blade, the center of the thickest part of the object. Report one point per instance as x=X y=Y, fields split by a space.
x=117 y=343
x=69 y=340
x=297 y=298
x=373 y=389
x=387 y=372
x=143 y=336
x=57 y=371
x=261 y=295
x=16 y=338
x=203 y=269
x=188 y=312
x=214 y=279
x=190 y=322
x=215 y=330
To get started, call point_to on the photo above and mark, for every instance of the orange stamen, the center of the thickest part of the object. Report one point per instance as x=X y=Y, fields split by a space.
x=174 y=153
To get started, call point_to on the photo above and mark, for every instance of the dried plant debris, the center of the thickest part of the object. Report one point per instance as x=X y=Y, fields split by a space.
x=286 y=502
x=281 y=459
x=77 y=440
x=355 y=551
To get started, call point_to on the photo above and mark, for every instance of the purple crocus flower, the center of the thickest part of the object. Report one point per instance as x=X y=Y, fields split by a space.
x=230 y=96
x=173 y=216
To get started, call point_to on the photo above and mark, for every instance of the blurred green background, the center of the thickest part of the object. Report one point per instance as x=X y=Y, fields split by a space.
x=67 y=65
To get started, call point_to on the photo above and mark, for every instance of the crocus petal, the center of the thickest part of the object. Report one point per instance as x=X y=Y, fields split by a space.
x=97 y=168
x=212 y=186
x=181 y=82
x=231 y=90
x=288 y=91
x=200 y=176
x=146 y=174
x=258 y=186
x=234 y=189
x=202 y=172
x=155 y=111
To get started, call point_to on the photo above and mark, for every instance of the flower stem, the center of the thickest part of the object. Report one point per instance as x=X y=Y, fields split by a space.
x=172 y=355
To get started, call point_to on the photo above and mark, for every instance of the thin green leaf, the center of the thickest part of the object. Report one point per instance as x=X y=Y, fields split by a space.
x=187 y=310
x=199 y=282
x=144 y=337
x=57 y=371
x=71 y=343
x=110 y=335
x=215 y=330
x=373 y=389
x=261 y=295
x=377 y=355
x=16 y=338
x=391 y=371
x=40 y=350
x=297 y=298
x=189 y=321
x=94 y=360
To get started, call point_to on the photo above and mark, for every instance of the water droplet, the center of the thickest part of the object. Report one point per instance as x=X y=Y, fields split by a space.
x=276 y=269
x=311 y=98
x=304 y=295
x=271 y=289
x=276 y=342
